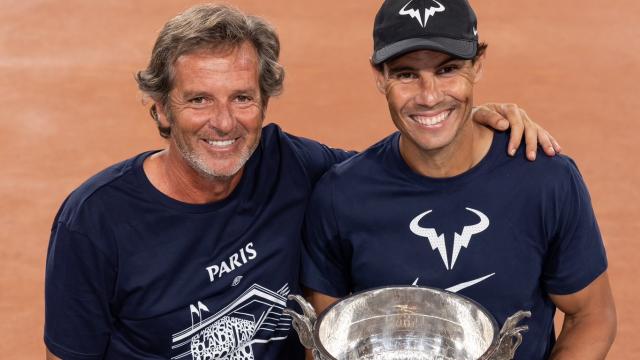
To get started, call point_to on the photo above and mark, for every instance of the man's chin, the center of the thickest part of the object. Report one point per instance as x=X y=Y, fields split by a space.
x=220 y=172
x=223 y=167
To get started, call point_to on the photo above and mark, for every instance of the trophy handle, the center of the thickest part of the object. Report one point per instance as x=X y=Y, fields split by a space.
x=303 y=323
x=511 y=336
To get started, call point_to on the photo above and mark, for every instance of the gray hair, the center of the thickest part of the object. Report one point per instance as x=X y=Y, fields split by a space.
x=210 y=26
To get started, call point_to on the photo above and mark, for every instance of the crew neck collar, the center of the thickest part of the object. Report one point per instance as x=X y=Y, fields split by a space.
x=480 y=167
x=156 y=195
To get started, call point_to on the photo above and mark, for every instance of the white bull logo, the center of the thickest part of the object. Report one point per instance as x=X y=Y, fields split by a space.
x=415 y=13
x=459 y=240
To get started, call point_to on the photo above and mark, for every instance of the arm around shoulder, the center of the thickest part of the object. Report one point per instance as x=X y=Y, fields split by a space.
x=504 y=116
x=590 y=322
x=318 y=158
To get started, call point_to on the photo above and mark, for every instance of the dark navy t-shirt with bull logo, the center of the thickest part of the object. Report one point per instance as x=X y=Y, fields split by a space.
x=506 y=233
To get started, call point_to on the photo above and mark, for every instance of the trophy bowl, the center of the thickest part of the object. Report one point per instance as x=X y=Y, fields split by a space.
x=406 y=323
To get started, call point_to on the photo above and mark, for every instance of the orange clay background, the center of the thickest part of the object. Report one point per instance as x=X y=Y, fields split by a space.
x=69 y=107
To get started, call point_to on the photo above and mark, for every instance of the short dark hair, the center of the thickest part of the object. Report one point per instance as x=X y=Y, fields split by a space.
x=209 y=26
x=482 y=48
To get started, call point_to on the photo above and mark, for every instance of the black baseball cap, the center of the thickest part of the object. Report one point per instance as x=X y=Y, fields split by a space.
x=402 y=26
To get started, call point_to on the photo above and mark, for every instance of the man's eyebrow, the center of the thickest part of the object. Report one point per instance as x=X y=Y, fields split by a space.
x=448 y=60
x=248 y=90
x=193 y=93
x=399 y=68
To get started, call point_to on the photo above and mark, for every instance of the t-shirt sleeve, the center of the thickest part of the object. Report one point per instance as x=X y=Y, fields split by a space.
x=326 y=255
x=317 y=158
x=79 y=281
x=576 y=251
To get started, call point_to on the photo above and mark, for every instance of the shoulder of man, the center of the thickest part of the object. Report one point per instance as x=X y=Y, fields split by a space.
x=86 y=197
x=314 y=157
x=559 y=166
x=366 y=163
x=557 y=169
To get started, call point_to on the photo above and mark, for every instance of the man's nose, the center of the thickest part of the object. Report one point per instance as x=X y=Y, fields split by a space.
x=221 y=118
x=430 y=93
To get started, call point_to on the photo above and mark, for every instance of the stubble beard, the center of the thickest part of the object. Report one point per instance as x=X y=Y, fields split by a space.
x=199 y=164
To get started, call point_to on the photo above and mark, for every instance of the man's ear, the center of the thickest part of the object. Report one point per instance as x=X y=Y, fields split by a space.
x=161 y=114
x=478 y=68
x=378 y=77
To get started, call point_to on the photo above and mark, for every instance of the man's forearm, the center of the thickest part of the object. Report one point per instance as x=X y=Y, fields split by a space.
x=585 y=338
x=50 y=356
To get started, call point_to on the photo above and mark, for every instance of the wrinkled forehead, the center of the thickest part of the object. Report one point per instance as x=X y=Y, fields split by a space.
x=216 y=71
x=243 y=54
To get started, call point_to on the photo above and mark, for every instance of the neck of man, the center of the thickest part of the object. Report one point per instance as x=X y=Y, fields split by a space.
x=466 y=150
x=181 y=182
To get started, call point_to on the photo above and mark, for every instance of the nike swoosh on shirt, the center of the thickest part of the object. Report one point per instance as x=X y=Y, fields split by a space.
x=466 y=284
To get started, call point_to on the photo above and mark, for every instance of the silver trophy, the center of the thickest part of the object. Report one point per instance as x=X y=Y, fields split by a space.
x=406 y=323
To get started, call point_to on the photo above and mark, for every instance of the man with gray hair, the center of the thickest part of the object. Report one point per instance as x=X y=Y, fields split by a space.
x=191 y=251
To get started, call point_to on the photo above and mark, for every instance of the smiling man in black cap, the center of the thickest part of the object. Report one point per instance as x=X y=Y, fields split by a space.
x=439 y=203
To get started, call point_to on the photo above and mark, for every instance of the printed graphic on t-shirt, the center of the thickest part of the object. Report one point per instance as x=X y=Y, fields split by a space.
x=461 y=286
x=236 y=260
x=253 y=318
x=437 y=241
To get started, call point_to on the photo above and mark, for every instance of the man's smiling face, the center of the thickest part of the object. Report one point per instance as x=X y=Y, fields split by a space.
x=430 y=97
x=215 y=110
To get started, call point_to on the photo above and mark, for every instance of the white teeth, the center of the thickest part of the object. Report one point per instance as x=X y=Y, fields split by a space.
x=221 y=143
x=431 y=120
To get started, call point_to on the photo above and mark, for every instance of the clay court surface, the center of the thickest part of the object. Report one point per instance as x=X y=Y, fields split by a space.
x=69 y=107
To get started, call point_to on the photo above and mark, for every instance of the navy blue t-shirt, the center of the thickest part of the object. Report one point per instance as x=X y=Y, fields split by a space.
x=134 y=274
x=506 y=233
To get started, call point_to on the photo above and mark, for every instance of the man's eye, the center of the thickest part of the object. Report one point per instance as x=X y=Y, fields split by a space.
x=198 y=100
x=405 y=76
x=448 y=69
x=243 y=98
